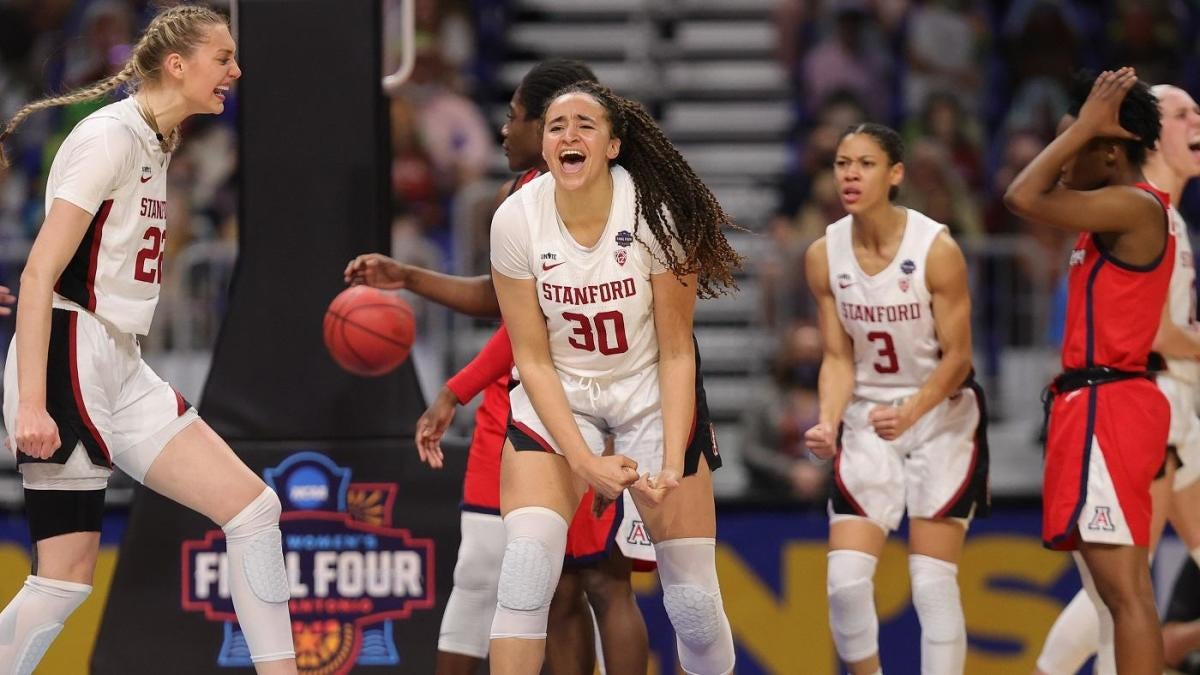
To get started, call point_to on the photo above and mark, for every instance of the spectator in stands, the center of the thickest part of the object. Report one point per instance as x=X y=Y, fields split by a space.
x=846 y=60
x=944 y=44
x=1147 y=36
x=944 y=121
x=774 y=452
x=933 y=187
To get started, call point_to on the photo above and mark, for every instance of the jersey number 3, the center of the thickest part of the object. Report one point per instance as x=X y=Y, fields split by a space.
x=887 y=363
x=148 y=265
x=608 y=334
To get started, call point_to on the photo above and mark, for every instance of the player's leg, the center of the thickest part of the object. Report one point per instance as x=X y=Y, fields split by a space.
x=1185 y=499
x=684 y=527
x=467 y=620
x=855 y=544
x=622 y=629
x=569 y=634
x=538 y=496
x=1121 y=578
x=197 y=469
x=935 y=546
x=65 y=526
x=1073 y=638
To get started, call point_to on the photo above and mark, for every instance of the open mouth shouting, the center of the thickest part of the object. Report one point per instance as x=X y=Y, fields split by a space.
x=572 y=161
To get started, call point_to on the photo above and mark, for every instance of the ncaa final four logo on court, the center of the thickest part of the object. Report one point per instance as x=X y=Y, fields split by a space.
x=352 y=574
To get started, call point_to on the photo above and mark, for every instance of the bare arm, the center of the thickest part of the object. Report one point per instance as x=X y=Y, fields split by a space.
x=674 y=308
x=1174 y=341
x=35 y=433
x=836 y=380
x=946 y=277
x=1179 y=640
x=475 y=296
x=1036 y=194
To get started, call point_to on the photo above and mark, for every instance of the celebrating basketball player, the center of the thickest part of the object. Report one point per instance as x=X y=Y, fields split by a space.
x=77 y=396
x=895 y=383
x=594 y=561
x=1176 y=493
x=1108 y=425
x=597 y=267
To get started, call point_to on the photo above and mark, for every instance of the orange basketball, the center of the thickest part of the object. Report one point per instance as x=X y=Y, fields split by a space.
x=368 y=331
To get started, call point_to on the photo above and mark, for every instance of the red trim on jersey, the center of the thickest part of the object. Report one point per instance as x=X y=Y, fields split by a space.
x=837 y=478
x=523 y=179
x=537 y=438
x=180 y=401
x=493 y=364
x=94 y=257
x=77 y=390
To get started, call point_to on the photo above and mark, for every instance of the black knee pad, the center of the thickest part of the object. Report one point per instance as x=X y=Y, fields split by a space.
x=55 y=512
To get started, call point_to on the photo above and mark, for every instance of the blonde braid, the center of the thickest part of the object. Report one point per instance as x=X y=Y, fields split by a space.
x=175 y=29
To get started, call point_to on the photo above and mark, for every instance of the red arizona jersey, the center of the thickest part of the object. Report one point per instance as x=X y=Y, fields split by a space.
x=1113 y=308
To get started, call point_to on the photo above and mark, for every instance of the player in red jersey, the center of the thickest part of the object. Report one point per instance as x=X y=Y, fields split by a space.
x=594 y=565
x=1108 y=421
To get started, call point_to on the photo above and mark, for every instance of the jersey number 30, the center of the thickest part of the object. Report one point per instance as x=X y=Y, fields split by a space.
x=604 y=332
x=887 y=363
x=148 y=265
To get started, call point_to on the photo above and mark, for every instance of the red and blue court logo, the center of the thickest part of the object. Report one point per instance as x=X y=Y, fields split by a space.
x=352 y=574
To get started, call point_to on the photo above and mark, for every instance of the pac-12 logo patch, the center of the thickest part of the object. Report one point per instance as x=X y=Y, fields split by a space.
x=1101 y=519
x=621 y=255
x=908 y=266
x=624 y=238
x=352 y=575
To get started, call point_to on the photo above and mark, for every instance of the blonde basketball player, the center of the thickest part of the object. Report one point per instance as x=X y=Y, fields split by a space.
x=77 y=396
x=597 y=267
x=1075 y=635
x=895 y=314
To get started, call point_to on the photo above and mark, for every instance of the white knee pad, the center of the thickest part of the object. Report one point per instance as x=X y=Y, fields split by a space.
x=692 y=598
x=536 y=541
x=34 y=617
x=852 y=618
x=1073 y=638
x=943 y=632
x=257 y=579
x=467 y=621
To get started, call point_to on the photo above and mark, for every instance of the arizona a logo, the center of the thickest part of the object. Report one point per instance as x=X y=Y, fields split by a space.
x=1101 y=520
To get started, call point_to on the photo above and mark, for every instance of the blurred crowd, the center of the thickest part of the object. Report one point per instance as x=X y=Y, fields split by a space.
x=975 y=87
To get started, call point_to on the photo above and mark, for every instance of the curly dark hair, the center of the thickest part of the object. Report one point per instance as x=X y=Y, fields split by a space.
x=670 y=198
x=1139 y=114
x=539 y=84
x=887 y=138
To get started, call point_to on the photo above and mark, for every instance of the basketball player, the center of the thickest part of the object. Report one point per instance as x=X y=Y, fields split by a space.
x=1075 y=635
x=597 y=267
x=895 y=383
x=594 y=562
x=1108 y=423
x=77 y=396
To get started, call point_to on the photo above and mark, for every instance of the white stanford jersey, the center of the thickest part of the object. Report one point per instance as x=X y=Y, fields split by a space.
x=1181 y=296
x=597 y=301
x=111 y=166
x=888 y=316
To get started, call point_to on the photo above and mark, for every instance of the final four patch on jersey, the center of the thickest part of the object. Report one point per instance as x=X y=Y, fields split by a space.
x=908 y=267
x=621 y=256
x=624 y=238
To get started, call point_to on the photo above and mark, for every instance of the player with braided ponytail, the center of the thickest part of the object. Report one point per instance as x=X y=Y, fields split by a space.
x=78 y=398
x=597 y=267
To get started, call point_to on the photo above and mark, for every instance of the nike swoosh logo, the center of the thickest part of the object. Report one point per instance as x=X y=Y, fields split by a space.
x=145 y=179
x=844 y=284
x=547 y=268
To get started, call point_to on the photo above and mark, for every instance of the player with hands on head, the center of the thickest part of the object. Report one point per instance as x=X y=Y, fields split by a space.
x=899 y=410
x=1108 y=422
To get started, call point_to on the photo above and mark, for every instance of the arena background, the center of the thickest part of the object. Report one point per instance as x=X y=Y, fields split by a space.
x=754 y=93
